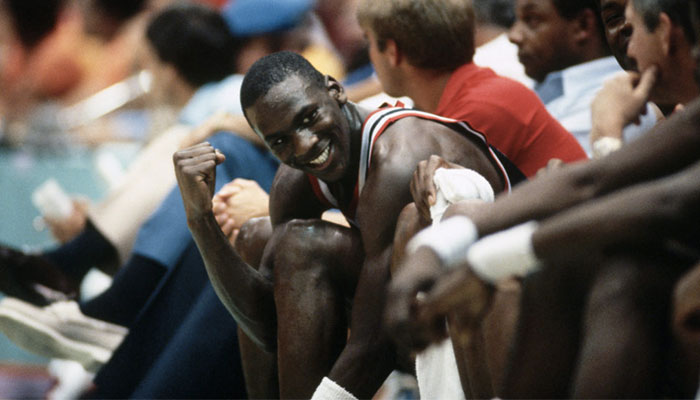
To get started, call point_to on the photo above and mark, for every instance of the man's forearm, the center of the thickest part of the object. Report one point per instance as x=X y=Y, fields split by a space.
x=245 y=292
x=668 y=148
x=644 y=215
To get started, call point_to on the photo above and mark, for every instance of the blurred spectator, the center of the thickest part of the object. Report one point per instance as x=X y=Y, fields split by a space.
x=273 y=25
x=437 y=72
x=563 y=47
x=39 y=38
x=493 y=49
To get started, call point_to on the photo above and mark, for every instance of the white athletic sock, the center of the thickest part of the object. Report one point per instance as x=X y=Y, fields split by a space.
x=329 y=390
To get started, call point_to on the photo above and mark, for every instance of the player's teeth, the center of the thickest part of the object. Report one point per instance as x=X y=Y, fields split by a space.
x=321 y=158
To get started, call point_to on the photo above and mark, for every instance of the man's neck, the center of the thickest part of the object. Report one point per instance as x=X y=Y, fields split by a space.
x=684 y=77
x=591 y=51
x=356 y=116
x=425 y=87
x=182 y=94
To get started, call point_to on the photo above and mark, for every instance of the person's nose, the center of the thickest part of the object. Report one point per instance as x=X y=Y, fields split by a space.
x=304 y=141
x=515 y=34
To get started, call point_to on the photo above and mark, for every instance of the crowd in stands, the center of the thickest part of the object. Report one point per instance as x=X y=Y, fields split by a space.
x=389 y=199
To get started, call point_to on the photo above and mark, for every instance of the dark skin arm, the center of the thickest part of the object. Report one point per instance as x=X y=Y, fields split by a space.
x=369 y=356
x=635 y=217
x=669 y=147
x=245 y=291
x=291 y=196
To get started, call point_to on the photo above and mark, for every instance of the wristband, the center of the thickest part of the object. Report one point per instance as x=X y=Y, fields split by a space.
x=605 y=145
x=505 y=254
x=449 y=240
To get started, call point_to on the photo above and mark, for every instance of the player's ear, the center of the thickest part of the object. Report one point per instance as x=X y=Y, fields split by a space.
x=668 y=39
x=336 y=90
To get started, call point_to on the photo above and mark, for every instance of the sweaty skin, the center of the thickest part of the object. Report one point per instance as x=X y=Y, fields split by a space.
x=317 y=131
x=626 y=199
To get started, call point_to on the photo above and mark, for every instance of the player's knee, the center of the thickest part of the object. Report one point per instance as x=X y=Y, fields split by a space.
x=302 y=238
x=252 y=238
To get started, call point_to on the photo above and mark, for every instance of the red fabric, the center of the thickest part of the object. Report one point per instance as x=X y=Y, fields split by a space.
x=511 y=116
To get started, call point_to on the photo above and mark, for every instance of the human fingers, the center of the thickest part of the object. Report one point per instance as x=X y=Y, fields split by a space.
x=228 y=190
x=415 y=276
x=220 y=157
x=228 y=226
x=221 y=218
x=218 y=206
x=82 y=204
x=459 y=290
x=423 y=188
x=646 y=82
x=244 y=183
x=233 y=236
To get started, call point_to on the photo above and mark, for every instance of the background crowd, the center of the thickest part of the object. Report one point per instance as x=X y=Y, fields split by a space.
x=568 y=267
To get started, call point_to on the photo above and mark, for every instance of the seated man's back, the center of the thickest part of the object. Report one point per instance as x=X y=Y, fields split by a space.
x=435 y=69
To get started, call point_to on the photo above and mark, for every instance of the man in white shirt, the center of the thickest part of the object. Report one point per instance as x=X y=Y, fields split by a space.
x=493 y=19
x=564 y=49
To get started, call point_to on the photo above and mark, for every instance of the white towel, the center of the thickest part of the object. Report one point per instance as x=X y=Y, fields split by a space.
x=436 y=366
x=453 y=185
x=437 y=374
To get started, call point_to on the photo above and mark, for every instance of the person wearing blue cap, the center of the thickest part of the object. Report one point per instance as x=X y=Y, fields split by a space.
x=255 y=17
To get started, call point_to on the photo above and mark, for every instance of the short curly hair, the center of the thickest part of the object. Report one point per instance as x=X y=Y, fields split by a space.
x=273 y=69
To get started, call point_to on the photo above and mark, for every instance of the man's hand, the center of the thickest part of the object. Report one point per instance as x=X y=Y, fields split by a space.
x=236 y=203
x=195 y=169
x=620 y=102
x=407 y=290
x=422 y=186
x=462 y=295
x=552 y=165
x=67 y=228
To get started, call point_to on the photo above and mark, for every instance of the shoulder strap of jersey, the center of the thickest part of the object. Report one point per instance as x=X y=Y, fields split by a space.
x=322 y=192
x=380 y=119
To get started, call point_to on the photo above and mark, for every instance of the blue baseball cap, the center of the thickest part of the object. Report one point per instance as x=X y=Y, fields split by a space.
x=255 y=17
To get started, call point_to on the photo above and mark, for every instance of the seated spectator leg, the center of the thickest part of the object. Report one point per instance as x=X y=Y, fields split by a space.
x=316 y=267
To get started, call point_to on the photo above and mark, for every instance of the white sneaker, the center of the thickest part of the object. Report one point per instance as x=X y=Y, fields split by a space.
x=60 y=330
